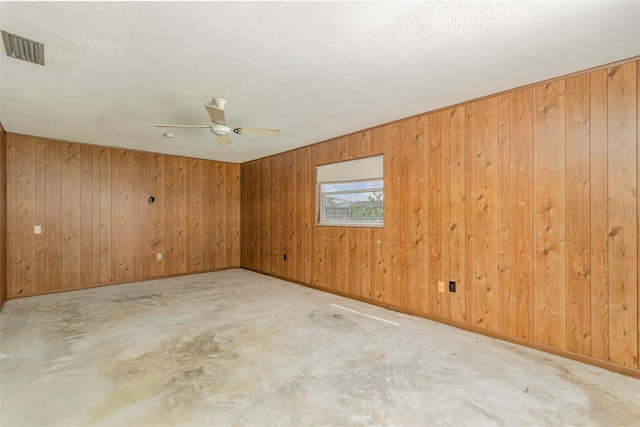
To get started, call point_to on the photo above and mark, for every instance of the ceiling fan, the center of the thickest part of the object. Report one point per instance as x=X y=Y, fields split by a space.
x=220 y=128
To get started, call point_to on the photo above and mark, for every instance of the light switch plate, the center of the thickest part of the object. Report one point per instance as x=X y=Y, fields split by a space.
x=159 y=256
x=37 y=229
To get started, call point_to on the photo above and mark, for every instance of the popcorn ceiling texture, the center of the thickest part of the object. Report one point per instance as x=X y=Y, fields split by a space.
x=313 y=70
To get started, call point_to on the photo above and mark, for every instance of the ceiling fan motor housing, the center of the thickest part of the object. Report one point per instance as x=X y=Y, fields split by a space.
x=219 y=129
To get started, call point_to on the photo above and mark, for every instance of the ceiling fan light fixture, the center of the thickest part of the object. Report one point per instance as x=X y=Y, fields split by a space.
x=220 y=102
x=219 y=129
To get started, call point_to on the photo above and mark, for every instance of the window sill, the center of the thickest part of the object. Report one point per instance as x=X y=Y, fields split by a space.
x=349 y=224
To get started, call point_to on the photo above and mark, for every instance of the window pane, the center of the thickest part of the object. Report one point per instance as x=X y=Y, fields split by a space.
x=357 y=206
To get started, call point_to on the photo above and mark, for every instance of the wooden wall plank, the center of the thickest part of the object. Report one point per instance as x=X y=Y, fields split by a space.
x=221 y=235
x=11 y=214
x=71 y=226
x=404 y=236
x=116 y=274
x=341 y=257
x=147 y=257
x=249 y=234
x=216 y=230
x=290 y=200
x=232 y=221
x=208 y=214
x=86 y=214
x=106 y=212
x=171 y=216
x=158 y=221
x=393 y=206
x=183 y=219
x=521 y=189
x=331 y=255
x=388 y=274
x=417 y=219
x=308 y=214
x=353 y=272
x=277 y=226
x=194 y=209
x=137 y=200
x=25 y=216
x=40 y=212
x=599 y=208
x=226 y=239
x=638 y=189
x=503 y=208
x=53 y=226
x=469 y=283
x=578 y=218
x=246 y=222
x=260 y=223
x=298 y=215
x=445 y=206
x=3 y=217
x=622 y=212
x=457 y=228
x=486 y=278
x=96 y=212
x=549 y=215
x=125 y=218
x=376 y=142
x=267 y=191
x=232 y=206
x=434 y=209
x=373 y=144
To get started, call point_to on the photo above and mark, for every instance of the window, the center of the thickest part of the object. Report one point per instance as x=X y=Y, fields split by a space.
x=351 y=193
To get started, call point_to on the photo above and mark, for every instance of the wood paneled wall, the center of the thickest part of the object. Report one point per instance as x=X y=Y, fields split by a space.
x=3 y=217
x=98 y=226
x=527 y=199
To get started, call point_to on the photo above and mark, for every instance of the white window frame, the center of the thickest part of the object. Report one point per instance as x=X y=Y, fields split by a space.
x=368 y=169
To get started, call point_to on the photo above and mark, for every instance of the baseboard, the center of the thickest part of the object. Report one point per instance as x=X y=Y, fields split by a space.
x=625 y=370
x=100 y=285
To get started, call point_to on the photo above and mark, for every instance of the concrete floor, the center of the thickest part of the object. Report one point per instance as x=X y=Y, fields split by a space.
x=237 y=348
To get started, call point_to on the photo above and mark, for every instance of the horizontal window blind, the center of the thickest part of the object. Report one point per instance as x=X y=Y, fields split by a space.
x=351 y=170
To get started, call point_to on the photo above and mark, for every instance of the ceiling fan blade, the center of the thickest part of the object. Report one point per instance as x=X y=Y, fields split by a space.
x=216 y=114
x=182 y=126
x=224 y=139
x=259 y=132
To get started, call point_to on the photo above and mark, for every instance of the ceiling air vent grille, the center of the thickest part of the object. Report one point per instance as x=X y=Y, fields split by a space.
x=25 y=49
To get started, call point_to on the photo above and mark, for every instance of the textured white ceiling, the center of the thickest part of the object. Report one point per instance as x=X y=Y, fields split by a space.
x=313 y=70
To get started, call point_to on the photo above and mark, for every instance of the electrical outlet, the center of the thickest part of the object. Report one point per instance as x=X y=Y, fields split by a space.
x=37 y=229
x=452 y=286
x=440 y=286
x=159 y=256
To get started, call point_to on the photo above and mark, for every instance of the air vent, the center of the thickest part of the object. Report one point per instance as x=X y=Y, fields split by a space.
x=25 y=49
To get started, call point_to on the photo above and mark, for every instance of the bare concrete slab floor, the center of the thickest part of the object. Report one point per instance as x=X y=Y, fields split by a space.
x=239 y=348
